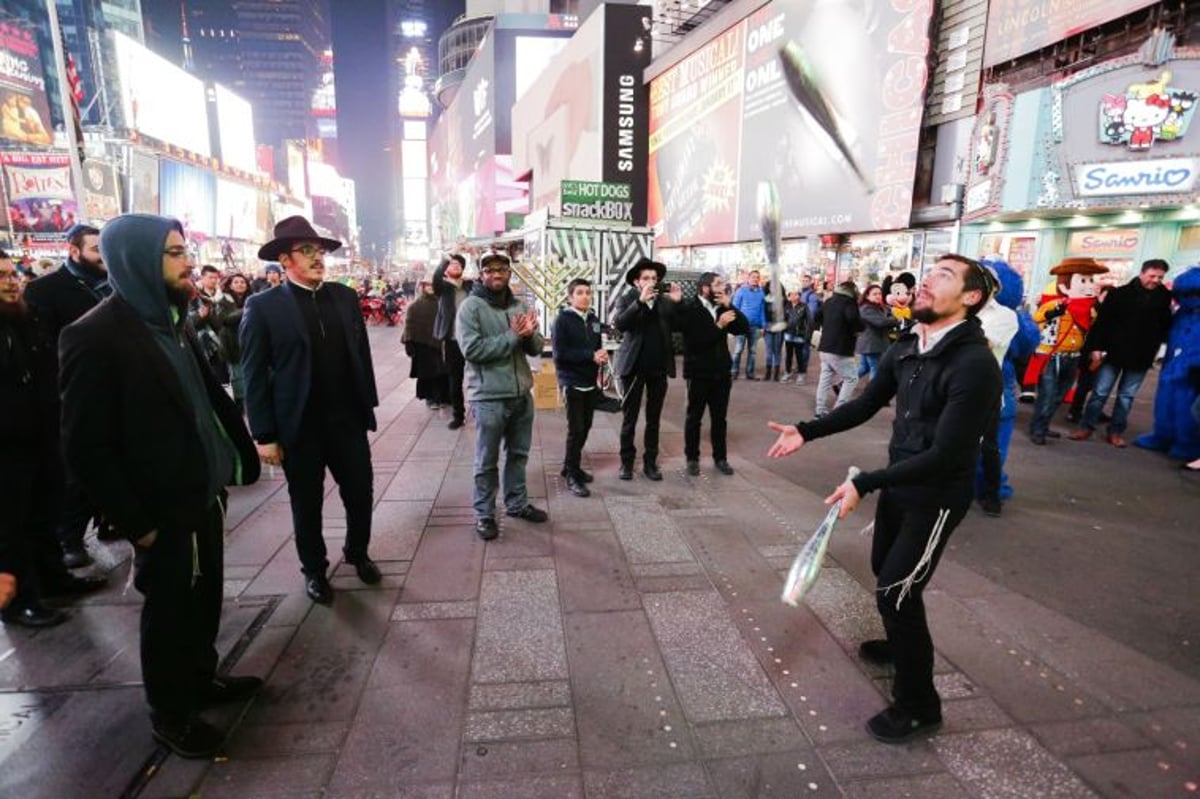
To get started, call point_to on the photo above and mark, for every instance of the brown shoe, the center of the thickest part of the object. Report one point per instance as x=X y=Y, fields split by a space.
x=1117 y=440
x=1082 y=434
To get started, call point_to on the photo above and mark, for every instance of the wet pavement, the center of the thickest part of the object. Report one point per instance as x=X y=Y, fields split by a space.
x=635 y=645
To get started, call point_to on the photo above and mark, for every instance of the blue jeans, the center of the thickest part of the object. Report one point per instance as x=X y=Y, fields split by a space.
x=1053 y=384
x=1130 y=380
x=739 y=344
x=507 y=421
x=773 y=347
x=869 y=364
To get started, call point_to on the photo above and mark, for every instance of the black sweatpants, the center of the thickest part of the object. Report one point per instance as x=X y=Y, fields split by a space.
x=456 y=366
x=581 y=407
x=905 y=520
x=991 y=464
x=339 y=443
x=655 y=389
x=181 y=575
x=32 y=481
x=713 y=395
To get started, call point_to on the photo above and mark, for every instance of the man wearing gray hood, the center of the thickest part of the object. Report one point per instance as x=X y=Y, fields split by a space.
x=153 y=440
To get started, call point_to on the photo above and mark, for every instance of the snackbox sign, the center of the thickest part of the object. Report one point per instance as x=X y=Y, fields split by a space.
x=606 y=202
x=1151 y=176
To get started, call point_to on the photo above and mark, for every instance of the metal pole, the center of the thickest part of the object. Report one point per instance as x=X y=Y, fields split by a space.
x=64 y=96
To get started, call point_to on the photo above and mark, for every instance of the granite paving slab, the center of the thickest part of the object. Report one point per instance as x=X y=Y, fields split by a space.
x=1007 y=763
x=727 y=739
x=1176 y=730
x=396 y=528
x=678 y=781
x=592 y=571
x=519 y=635
x=73 y=653
x=509 y=696
x=458 y=488
x=773 y=776
x=867 y=759
x=928 y=786
x=282 y=777
x=714 y=671
x=416 y=479
x=501 y=759
x=645 y=533
x=416 y=611
x=737 y=569
x=509 y=725
x=446 y=566
x=1089 y=737
x=528 y=787
x=1147 y=772
x=273 y=740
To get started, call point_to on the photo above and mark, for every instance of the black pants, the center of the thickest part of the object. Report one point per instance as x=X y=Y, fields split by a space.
x=655 y=389
x=797 y=350
x=904 y=523
x=712 y=394
x=990 y=462
x=74 y=516
x=1083 y=386
x=338 y=443
x=581 y=407
x=181 y=614
x=32 y=481
x=456 y=365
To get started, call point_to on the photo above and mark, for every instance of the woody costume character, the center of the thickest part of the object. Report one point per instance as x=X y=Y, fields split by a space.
x=1064 y=319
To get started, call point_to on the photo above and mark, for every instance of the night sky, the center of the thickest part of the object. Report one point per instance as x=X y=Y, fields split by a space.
x=361 y=67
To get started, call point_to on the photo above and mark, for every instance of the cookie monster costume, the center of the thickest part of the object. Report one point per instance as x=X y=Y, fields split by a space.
x=1010 y=295
x=1176 y=432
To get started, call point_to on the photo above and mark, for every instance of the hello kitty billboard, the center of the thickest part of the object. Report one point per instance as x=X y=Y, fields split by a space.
x=1146 y=113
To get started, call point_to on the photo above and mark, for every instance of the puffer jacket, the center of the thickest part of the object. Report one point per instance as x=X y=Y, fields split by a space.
x=497 y=367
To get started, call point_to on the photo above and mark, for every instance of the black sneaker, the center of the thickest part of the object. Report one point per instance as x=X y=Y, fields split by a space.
x=529 y=513
x=991 y=506
x=626 y=472
x=455 y=424
x=724 y=468
x=652 y=473
x=33 y=616
x=895 y=726
x=586 y=477
x=486 y=528
x=576 y=487
x=227 y=689
x=693 y=468
x=318 y=589
x=192 y=738
x=877 y=651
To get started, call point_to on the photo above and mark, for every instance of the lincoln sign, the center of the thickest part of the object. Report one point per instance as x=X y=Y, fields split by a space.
x=604 y=202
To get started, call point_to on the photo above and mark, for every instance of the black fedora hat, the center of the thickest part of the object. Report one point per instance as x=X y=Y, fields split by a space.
x=644 y=263
x=288 y=232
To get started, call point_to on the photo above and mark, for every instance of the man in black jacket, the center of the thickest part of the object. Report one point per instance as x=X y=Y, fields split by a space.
x=578 y=354
x=706 y=322
x=58 y=299
x=840 y=325
x=644 y=361
x=946 y=384
x=451 y=290
x=311 y=397
x=154 y=439
x=1131 y=324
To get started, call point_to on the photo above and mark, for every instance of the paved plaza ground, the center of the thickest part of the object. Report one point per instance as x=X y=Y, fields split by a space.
x=635 y=646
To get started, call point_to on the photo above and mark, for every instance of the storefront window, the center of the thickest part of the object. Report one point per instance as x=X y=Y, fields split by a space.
x=1116 y=248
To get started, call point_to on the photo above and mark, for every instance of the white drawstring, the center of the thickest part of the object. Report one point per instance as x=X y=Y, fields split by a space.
x=923 y=565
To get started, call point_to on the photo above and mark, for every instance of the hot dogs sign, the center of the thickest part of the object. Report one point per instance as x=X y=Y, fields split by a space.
x=1146 y=113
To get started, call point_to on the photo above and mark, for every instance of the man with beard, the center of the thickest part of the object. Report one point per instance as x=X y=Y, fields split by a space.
x=498 y=333
x=706 y=323
x=451 y=290
x=58 y=299
x=154 y=439
x=946 y=384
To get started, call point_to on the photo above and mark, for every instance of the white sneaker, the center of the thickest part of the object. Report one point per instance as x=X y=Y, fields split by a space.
x=800 y=380
x=786 y=378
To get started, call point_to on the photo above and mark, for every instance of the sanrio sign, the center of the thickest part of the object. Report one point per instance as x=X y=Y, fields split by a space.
x=1151 y=176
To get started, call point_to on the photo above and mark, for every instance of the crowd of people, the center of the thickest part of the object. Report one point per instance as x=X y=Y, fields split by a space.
x=134 y=388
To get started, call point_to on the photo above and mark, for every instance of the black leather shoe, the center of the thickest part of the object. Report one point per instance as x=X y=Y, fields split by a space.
x=626 y=472
x=529 y=513
x=486 y=529
x=584 y=476
x=652 y=473
x=33 y=616
x=895 y=726
x=366 y=570
x=76 y=557
x=318 y=589
x=576 y=487
x=75 y=586
x=723 y=467
x=877 y=651
x=224 y=690
x=991 y=506
x=455 y=424
x=193 y=738
x=693 y=468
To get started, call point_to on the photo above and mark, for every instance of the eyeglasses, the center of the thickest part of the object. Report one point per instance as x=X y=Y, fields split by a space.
x=308 y=250
x=499 y=270
x=13 y=276
x=176 y=252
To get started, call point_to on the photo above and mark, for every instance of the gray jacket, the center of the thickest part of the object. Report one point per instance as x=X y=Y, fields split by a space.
x=497 y=366
x=877 y=322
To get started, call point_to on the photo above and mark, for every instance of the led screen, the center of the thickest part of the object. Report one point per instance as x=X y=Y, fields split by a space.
x=237 y=210
x=186 y=193
x=159 y=99
x=235 y=130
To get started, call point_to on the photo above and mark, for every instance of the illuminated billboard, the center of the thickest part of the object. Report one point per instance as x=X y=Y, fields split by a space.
x=1017 y=27
x=159 y=99
x=24 y=110
x=824 y=100
x=235 y=130
x=41 y=205
x=186 y=193
x=237 y=211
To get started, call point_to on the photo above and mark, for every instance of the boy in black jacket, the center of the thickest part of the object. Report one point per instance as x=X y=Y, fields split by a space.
x=578 y=353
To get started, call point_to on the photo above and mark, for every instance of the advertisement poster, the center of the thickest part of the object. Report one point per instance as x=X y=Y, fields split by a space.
x=143 y=183
x=101 y=197
x=24 y=110
x=186 y=193
x=237 y=211
x=40 y=202
x=824 y=100
x=1017 y=27
x=144 y=80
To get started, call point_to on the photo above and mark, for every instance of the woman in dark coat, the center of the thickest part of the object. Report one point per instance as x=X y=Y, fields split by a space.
x=877 y=323
x=428 y=367
x=234 y=291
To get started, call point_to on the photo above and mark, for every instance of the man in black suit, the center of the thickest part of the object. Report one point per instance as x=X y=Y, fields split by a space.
x=311 y=397
x=153 y=440
x=644 y=361
x=58 y=299
x=451 y=289
x=705 y=323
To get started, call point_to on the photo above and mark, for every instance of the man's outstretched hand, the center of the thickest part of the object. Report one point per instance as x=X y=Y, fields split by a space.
x=788 y=442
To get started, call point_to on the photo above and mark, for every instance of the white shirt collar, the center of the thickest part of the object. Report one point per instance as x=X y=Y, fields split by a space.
x=927 y=341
